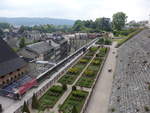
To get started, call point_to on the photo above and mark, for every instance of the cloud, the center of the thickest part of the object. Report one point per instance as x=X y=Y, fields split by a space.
x=74 y=9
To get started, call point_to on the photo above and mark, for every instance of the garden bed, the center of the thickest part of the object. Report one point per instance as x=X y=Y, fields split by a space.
x=49 y=99
x=90 y=73
x=76 y=98
x=88 y=77
x=69 y=78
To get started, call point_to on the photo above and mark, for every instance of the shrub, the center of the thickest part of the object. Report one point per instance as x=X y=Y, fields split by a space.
x=74 y=88
x=93 y=49
x=35 y=103
x=146 y=108
x=64 y=87
x=112 y=109
x=108 y=42
x=89 y=72
x=148 y=87
x=83 y=61
x=73 y=70
x=56 y=89
x=79 y=94
x=96 y=62
x=74 y=110
x=25 y=108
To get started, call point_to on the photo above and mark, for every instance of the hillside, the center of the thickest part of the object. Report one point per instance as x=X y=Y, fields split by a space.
x=36 y=21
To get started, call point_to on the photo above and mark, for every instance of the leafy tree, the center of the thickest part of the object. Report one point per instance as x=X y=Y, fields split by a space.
x=78 y=26
x=35 y=103
x=64 y=86
x=25 y=108
x=22 y=43
x=119 y=20
x=74 y=110
x=74 y=88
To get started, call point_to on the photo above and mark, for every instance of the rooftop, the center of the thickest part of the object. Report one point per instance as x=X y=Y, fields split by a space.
x=9 y=60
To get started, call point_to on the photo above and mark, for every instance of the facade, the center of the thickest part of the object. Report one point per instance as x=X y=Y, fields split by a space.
x=12 y=67
x=63 y=43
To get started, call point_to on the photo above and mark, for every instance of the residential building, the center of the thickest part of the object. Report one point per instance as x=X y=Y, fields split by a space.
x=12 y=67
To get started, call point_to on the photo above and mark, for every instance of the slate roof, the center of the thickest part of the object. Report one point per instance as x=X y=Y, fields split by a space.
x=40 y=47
x=9 y=60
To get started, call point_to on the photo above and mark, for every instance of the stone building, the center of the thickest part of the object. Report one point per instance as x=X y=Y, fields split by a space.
x=40 y=51
x=12 y=67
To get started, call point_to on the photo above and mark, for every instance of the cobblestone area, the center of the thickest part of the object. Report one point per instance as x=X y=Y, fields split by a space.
x=130 y=92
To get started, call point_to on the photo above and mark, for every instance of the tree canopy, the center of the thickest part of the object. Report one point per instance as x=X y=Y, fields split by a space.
x=22 y=43
x=100 y=24
x=119 y=20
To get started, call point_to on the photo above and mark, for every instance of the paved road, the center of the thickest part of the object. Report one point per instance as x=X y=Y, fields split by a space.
x=100 y=98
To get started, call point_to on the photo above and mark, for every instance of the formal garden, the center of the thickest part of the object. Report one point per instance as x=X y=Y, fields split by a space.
x=73 y=72
x=88 y=77
x=74 y=102
x=88 y=65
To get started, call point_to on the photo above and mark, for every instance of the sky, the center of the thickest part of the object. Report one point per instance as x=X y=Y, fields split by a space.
x=75 y=9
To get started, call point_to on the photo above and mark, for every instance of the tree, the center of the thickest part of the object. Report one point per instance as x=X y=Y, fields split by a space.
x=78 y=26
x=1 y=109
x=74 y=88
x=64 y=86
x=22 y=43
x=119 y=20
x=35 y=103
x=74 y=110
x=25 y=108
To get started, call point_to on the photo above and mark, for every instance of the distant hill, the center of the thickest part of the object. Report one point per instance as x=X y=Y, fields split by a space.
x=36 y=21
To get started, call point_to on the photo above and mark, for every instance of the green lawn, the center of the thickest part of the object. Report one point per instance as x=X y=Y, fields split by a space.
x=132 y=34
x=49 y=99
x=119 y=41
x=76 y=98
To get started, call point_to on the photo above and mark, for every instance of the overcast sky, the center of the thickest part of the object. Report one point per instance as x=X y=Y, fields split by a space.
x=75 y=9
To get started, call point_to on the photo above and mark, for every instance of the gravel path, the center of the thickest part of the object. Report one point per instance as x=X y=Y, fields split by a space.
x=100 y=97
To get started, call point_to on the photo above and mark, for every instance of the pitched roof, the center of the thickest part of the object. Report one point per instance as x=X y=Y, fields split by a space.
x=9 y=60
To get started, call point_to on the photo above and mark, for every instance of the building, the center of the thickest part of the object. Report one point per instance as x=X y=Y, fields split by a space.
x=63 y=43
x=12 y=67
x=40 y=51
